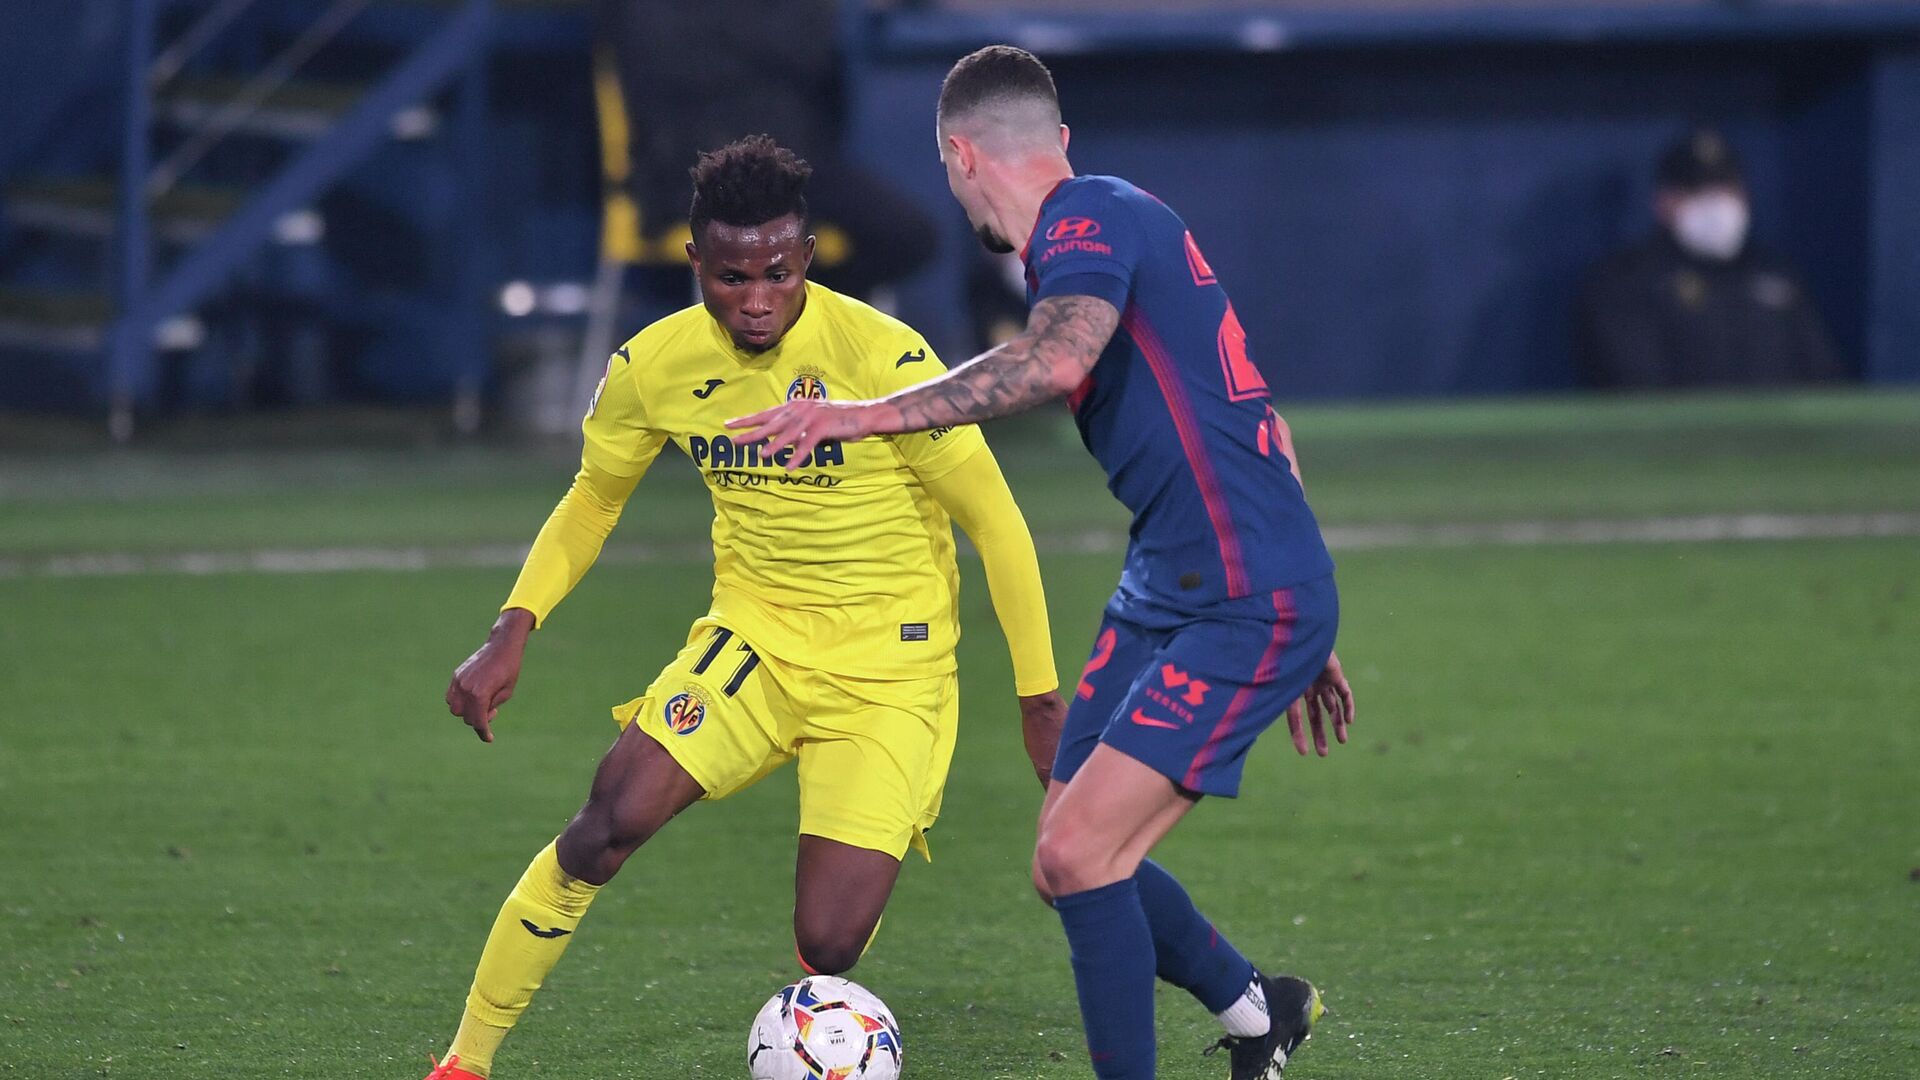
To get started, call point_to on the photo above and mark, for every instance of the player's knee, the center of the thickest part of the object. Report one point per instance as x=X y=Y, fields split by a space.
x=1062 y=861
x=829 y=950
x=607 y=831
x=1040 y=883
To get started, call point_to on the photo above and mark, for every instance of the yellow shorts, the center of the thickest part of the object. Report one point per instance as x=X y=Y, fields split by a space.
x=873 y=753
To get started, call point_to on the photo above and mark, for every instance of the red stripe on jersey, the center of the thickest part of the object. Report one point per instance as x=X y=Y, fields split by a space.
x=1079 y=395
x=1197 y=264
x=1192 y=444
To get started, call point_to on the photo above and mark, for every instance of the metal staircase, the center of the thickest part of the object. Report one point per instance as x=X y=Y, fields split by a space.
x=178 y=224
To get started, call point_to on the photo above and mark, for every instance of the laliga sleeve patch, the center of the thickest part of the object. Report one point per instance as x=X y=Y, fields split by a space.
x=593 y=405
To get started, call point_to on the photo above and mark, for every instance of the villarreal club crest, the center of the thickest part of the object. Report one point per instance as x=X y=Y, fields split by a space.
x=685 y=711
x=809 y=385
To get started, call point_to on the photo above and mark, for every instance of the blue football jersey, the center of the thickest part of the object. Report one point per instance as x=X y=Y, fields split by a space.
x=1174 y=410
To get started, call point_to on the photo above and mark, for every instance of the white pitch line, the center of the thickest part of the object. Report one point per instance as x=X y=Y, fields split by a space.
x=1713 y=528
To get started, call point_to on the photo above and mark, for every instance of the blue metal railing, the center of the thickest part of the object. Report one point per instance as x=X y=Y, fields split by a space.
x=197 y=37
x=457 y=48
x=130 y=341
x=228 y=118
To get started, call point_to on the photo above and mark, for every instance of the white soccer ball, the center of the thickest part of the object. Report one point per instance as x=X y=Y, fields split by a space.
x=824 y=1028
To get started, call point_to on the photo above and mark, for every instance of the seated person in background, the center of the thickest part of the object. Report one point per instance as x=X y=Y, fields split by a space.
x=1696 y=304
x=696 y=76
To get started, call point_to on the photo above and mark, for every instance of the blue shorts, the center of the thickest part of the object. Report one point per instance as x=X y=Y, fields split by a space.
x=1187 y=692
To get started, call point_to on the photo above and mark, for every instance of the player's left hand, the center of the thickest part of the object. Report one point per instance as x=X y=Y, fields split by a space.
x=1328 y=697
x=1041 y=718
x=802 y=425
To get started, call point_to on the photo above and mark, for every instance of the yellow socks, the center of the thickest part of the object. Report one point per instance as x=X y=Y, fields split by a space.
x=531 y=932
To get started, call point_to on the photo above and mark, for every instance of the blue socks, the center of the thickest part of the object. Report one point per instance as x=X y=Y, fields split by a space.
x=1188 y=951
x=1124 y=934
x=1113 y=966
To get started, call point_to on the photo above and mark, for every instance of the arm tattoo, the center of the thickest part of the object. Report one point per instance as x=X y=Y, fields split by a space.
x=1063 y=339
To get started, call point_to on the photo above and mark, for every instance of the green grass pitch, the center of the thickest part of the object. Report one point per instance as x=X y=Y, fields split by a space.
x=1610 y=811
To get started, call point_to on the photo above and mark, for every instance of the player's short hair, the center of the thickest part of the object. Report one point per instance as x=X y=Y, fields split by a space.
x=748 y=182
x=995 y=78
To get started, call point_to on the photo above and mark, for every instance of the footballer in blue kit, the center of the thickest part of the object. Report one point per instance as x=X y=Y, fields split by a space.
x=1215 y=630
x=1225 y=615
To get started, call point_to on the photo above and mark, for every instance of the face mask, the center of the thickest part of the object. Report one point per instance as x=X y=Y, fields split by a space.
x=1712 y=226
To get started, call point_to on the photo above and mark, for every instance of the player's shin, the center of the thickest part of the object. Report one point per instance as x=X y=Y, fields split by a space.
x=1191 y=954
x=532 y=930
x=1113 y=970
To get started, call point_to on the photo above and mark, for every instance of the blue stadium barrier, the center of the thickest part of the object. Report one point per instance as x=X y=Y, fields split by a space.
x=1402 y=197
x=1405 y=202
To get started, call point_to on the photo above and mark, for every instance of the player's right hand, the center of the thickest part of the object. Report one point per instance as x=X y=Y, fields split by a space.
x=1041 y=718
x=1330 y=695
x=486 y=679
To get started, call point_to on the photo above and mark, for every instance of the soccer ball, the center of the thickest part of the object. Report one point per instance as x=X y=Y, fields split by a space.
x=824 y=1028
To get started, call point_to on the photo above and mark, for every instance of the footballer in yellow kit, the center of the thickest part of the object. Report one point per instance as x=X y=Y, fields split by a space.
x=835 y=601
x=836 y=584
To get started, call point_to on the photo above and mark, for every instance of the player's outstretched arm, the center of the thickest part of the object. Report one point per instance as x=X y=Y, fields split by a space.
x=975 y=494
x=563 y=552
x=1063 y=339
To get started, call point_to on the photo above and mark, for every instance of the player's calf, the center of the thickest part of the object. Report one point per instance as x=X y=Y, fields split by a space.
x=637 y=789
x=840 y=891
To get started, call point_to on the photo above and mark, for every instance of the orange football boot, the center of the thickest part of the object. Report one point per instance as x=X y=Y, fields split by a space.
x=450 y=1069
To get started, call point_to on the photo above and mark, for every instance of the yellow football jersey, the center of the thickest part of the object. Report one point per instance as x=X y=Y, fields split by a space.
x=844 y=564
